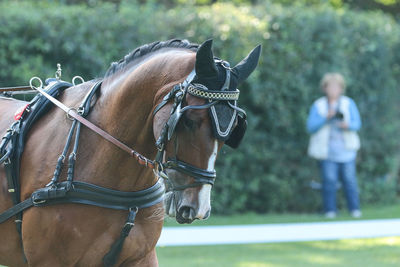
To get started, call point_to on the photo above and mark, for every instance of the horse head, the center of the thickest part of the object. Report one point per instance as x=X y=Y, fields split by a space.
x=202 y=117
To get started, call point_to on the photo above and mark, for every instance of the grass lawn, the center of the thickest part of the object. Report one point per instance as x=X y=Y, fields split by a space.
x=375 y=252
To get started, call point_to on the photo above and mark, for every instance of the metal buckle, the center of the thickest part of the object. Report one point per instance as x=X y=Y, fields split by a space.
x=7 y=161
x=73 y=155
x=135 y=209
x=159 y=171
x=81 y=111
x=11 y=131
x=37 y=202
x=69 y=116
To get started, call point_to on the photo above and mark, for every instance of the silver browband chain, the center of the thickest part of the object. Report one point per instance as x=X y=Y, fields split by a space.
x=201 y=91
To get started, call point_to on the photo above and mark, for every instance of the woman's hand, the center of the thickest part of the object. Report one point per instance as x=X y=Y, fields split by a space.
x=331 y=114
x=343 y=125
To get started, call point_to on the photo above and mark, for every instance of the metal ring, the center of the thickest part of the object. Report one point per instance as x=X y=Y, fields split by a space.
x=69 y=116
x=31 y=83
x=77 y=77
x=226 y=64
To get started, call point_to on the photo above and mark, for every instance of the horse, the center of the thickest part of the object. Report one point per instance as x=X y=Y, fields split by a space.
x=134 y=104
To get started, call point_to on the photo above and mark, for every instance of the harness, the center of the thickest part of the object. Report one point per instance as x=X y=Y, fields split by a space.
x=70 y=191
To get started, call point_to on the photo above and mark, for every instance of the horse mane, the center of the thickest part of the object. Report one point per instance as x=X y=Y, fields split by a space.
x=147 y=49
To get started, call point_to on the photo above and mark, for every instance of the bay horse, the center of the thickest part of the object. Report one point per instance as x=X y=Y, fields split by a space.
x=134 y=104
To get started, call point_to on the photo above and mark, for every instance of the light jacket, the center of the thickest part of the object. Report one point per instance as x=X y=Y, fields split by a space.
x=319 y=127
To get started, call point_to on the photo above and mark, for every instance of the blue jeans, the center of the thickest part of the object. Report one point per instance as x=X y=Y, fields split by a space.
x=330 y=173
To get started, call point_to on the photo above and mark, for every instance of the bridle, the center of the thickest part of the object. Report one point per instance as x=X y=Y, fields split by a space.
x=178 y=95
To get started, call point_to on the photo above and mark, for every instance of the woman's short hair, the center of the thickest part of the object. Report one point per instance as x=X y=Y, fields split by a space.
x=333 y=77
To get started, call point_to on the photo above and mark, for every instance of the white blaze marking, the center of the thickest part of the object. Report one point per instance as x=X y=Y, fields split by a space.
x=171 y=211
x=213 y=157
x=205 y=191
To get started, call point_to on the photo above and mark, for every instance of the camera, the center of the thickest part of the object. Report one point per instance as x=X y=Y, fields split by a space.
x=339 y=116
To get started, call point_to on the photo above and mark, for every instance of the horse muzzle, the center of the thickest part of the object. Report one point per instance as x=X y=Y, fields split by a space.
x=188 y=205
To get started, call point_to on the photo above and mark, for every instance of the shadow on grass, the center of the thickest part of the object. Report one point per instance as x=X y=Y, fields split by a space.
x=354 y=252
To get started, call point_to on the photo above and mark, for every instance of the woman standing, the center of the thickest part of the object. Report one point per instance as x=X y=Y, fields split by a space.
x=333 y=123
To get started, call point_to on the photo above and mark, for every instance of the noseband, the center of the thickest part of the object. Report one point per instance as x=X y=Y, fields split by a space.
x=178 y=94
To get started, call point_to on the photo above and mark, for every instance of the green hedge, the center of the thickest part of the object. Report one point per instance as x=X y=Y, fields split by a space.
x=270 y=171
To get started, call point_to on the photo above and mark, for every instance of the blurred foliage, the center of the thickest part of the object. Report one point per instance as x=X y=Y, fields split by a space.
x=270 y=171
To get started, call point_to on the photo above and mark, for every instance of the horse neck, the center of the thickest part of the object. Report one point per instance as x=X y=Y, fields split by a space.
x=125 y=110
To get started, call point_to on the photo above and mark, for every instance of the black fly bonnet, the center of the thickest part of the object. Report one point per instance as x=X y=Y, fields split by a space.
x=222 y=105
x=225 y=112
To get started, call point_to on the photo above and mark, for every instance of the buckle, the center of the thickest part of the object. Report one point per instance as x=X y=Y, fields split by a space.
x=69 y=115
x=37 y=202
x=81 y=111
x=129 y=224
x=7 y=161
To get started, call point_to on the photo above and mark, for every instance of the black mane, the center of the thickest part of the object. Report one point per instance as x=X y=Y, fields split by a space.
x=149 y=48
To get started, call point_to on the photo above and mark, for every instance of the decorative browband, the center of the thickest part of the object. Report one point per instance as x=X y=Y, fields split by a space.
x=201 y=91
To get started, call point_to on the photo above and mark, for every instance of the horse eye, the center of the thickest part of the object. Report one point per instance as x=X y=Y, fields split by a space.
x=189 y=124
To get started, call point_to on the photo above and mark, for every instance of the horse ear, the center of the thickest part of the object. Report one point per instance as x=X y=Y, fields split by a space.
x=205 y=65
x=245 y=67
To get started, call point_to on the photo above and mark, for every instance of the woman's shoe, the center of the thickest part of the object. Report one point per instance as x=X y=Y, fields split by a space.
x=330 y=215
x=356 y=213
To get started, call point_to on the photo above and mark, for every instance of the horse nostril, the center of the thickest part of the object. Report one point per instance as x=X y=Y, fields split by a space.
x=207 y=215
x=187 y=213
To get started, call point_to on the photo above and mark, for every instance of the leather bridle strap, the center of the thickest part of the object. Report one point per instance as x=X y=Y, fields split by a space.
x=200 y=175
x=72 y=112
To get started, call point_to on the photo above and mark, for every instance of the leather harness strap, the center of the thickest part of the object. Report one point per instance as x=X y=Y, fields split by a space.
x=89 y=194
x=72 y=112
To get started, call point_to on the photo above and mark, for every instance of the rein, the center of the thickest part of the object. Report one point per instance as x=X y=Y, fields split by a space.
x=15 y=88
